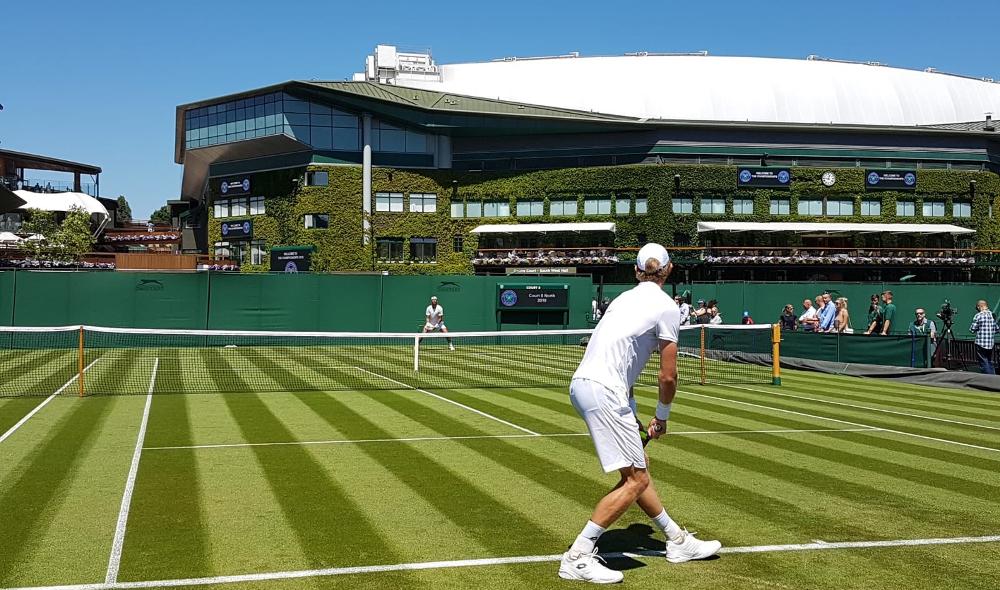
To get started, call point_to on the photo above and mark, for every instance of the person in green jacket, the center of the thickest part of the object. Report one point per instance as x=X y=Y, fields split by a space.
x=874 y=317
x=888 y=313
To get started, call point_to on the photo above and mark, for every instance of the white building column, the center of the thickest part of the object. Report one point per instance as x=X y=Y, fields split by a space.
x=366 y=176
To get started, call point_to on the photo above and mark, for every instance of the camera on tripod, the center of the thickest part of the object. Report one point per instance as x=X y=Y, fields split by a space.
x=947 y=313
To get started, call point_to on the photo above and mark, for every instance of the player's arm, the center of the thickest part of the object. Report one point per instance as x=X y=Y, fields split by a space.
x=667 y=388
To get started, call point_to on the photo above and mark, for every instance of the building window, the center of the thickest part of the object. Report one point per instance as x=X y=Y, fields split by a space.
x=391 y=202
x=905 y=209
x=810 y=207
x=933 y=208
x=743 y=206
x=317 y=221
x=713 y=206
x=641 y=205
x=389 y=249
x=496 y=209
x=458 y=209
x=683 y=205
x=597 y=207
x=317 y=178
x=623 y=206
x=530 y=208
x=222 y=250
x=238 y=207
x=871 y=208
x=780 y=207
x=562 y=208
x=423 y=249
x=457 y=244
x=221 y=208
x=839 y=208
x=257 y=252
x=474 y=209
x=962 y=210
x=257 y=206
x=423 y=203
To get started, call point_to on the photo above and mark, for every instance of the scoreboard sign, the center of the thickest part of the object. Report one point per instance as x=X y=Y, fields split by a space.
x=532 y=297
x=891 y=180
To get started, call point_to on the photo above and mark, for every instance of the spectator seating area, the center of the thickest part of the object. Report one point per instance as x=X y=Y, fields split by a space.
x=839 y=256
x=545 y=257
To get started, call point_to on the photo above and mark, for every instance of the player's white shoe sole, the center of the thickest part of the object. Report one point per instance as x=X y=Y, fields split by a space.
x=587 y=567
x=691 y=548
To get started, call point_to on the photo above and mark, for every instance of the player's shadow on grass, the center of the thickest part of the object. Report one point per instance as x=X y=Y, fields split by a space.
x=637 y=537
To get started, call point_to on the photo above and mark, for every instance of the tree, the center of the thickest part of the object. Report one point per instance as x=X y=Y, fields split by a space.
x=43 y=227
x=161 y=215
x=124 y=211
x=66 y=242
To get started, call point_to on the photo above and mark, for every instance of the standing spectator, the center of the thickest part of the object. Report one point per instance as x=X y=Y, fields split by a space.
x=747 y=320
x=593 y=309
x=820 y=305
x=985 y=327
x=602 y=307
x=788 y=319
x=808 y=317
x=685 y=309
x=874 y=317
x=713 y=312
x=827 y=313
x=842 y=323
x=888 y=313
x=922 y=326
x=701 y=315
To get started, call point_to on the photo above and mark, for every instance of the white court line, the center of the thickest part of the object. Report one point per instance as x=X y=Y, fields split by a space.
x=826 y=401
x=491 y=561
x=7 y=434
x=450 y=401
x=488 y=436
x=114 y=562
x=858 y=424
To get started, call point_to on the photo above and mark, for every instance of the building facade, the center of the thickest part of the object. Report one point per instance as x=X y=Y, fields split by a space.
x=396 y=171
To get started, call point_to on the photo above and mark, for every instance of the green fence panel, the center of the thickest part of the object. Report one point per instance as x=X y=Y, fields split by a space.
x=116 y=299
x=821 y=347
x=297 y=302
x=7 y=281
x=896 y=351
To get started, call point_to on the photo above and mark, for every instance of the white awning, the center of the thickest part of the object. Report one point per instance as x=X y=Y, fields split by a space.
x=542 y=228
x=833 y=228
x=9 y=237
x=62 y=202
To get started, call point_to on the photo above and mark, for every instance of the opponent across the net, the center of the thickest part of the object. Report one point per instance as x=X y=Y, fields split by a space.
x=115 y=361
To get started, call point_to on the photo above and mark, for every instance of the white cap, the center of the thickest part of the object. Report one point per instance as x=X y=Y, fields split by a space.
x=651 y=251
x=434 y=298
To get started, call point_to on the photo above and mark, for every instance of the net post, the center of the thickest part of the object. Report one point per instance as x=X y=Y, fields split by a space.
x=416 y=354
x=702 y=354
x=776 y=354
x=79 y=375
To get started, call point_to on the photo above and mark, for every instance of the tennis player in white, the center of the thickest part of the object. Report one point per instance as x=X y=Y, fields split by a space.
x=639 y=322
x=435 y=320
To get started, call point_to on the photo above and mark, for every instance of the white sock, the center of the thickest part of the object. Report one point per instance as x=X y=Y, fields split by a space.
x=668 y=526
x=587 y=539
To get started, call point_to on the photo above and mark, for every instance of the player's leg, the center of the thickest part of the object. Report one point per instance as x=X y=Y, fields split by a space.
x=444 y=329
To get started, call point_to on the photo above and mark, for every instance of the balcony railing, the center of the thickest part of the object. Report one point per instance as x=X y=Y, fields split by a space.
x=822 y=256
x=546 y=257
x=41 y=185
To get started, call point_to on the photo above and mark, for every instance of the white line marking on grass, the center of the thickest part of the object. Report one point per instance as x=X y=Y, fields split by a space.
x=825 y=401
x=450 y=401
x=941 y=440
x=34 y=411
x=484 y=436
x=492 y=561
x=114 y=562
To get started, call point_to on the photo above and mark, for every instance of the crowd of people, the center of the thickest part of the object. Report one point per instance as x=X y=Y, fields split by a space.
x=828 y=315
x=541 y=257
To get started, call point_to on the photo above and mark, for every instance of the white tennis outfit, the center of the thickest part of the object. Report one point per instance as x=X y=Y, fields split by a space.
x=434 y=315
x=627 y=335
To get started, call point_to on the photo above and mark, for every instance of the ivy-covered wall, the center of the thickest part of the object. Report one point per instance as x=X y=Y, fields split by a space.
x=341 y=246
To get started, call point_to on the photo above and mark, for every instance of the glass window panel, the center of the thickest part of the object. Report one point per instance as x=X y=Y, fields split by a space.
x=318 y=109
x=297 y=119
x=321 y=120
x=933 y=209
x=299 y=132
x=416 y=143
x=259 y=132
x=423 y=202
x=381 y=201
x=292 y=105
x=256 y=122
x=269 y=109
x=258 y=111
x=962 y=209
x=490 y=209
x=530 y=208
x=396 y=202
x=905 y=208
x=590 y=207
x=622 y=206
x=389 y=249
x=641 y=205
x=258 y=99
x=840 y=208
x=564 y=208
x=345 y=121
x=779 y=207
x=743 y=206
x=810 y=207
x=231 y=128
x=474 y=209
x=257 y=206
x=318 y=178
x=871 y=208
x=257 y=252
x=392 y=141
x=423 y=249
x=346 y=138
x=230 y=116
x=458 y=209
x=321 y=138
x=683 y=205
x=713 y=206
x=316 y=221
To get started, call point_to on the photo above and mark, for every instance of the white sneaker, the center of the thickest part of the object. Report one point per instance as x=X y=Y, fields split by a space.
x=587 y=567
x=689 y=548
x=451 y=346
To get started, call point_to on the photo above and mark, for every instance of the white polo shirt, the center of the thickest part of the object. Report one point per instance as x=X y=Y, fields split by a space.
x=434 y=313
x=627 y=336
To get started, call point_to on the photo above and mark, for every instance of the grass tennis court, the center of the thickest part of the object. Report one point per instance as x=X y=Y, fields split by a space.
x=282 y=489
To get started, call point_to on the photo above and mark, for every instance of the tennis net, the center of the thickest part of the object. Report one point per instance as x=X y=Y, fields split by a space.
x=89 y=360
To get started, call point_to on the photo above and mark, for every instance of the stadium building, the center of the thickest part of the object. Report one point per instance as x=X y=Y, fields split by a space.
x=749 y=168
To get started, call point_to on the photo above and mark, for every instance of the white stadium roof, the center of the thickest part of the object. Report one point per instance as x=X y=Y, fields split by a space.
x=519 y=228
x=707 y=88
x=832 y=228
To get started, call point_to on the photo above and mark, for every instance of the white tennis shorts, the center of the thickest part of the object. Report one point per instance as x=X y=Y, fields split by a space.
x=433 y=327
x=612 y=424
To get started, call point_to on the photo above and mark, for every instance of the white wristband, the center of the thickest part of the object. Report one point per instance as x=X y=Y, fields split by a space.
x=662 y=411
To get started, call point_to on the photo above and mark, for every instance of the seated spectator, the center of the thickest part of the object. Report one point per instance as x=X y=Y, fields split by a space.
x=714 y=316
x=747 y=320
x=788 y=321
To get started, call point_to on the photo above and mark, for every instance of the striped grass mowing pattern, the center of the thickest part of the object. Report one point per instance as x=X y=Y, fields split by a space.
x=781 y=469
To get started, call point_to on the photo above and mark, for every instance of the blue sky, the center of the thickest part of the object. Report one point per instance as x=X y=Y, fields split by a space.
x=98 y=81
